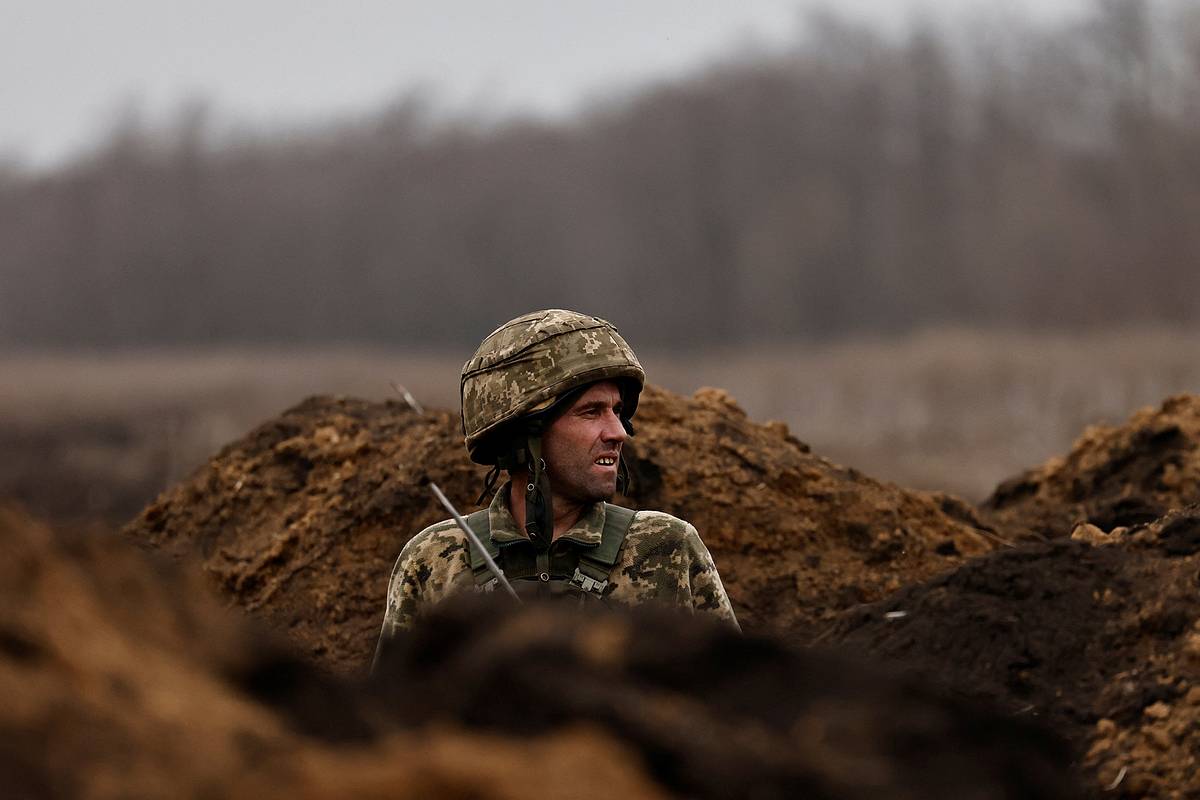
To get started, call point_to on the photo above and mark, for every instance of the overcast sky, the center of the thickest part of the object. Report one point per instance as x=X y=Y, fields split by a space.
x=67 y=65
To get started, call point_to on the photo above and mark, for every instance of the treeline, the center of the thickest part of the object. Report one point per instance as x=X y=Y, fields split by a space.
x=1003 y=175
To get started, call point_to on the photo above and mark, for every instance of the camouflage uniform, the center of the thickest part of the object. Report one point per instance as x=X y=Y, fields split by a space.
x=662 y=560
x=509 y=390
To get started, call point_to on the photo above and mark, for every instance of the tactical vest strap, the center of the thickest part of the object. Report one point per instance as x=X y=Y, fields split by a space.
x=592 y=571
x=595 y=565
x=482 y=526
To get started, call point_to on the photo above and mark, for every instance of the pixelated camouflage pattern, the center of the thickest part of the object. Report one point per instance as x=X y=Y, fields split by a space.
x=662 y=560
x=527 y=362
x=588 y=530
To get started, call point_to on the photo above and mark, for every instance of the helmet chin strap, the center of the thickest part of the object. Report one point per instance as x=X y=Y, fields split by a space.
x=524 y=454
x=539 y=507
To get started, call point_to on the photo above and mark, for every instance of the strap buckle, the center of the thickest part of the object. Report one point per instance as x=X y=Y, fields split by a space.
x=588 y=584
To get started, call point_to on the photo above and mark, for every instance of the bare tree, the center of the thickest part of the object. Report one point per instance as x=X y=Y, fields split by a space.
x=850 y=183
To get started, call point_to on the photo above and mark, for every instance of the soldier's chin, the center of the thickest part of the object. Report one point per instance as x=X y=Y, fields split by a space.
x=593 y=490
x=600 y=495
x=602 y=492
x=611 y=488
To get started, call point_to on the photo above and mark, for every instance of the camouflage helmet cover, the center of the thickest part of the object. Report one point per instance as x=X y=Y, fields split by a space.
x=528 y=362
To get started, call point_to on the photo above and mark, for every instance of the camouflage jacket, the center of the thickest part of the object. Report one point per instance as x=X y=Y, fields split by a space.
x=661 y=560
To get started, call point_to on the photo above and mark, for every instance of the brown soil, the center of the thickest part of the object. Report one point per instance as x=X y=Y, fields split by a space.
x=113 y=672
x=108 y=672
x=797 y=538
x=299 y=522
x=1095 y=634
x=1113 y=477
x=1098 y=635
x=712 y=713
x=121 y=677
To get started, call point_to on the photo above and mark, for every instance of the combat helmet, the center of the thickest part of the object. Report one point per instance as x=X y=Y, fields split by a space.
x=527 y=364
x=523 y=372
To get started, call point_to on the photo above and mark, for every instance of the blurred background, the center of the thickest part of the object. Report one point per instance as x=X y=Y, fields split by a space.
x=937 y=239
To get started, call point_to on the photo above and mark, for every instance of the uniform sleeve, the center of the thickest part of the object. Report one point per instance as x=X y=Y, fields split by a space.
x=403 y=595
x=433 y=564
x=708 y=593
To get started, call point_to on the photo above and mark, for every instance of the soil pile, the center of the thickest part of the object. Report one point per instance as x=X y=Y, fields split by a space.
x=1098 y=634
x=712 y=714
x=301 y=520
x=108 y=673
x=119 y=677
x=1113 y=477
x=797 y=538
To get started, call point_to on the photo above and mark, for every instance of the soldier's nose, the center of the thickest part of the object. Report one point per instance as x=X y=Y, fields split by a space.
x=614 y=431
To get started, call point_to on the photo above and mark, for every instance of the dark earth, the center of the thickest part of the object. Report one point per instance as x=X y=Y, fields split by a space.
x=1049 y=635
x=124 y=678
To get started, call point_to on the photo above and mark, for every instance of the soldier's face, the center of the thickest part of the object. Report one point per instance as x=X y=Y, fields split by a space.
x=583 y=446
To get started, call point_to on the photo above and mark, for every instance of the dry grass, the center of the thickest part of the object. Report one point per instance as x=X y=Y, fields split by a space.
x=99 y=434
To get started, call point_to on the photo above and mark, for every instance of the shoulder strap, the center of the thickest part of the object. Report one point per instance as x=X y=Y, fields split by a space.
x=481 y=525
x=595 y=565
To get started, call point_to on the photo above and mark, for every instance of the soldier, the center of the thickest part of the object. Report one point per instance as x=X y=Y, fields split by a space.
x=548 y=398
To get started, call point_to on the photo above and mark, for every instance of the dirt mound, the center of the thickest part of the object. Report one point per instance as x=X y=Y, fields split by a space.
x=1097 y=634
x=301 y=520
x=713 y=714
x=108 y=672
x=120 y=677
x=797 y=538
x=1113 y=477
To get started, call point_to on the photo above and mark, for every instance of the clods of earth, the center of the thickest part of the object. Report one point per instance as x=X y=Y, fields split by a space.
x=122 y=677
x=301 y=520
x=1048 y=634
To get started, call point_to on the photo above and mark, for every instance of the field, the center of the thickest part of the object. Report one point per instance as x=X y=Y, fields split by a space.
x=95 y=436
x=899 y=642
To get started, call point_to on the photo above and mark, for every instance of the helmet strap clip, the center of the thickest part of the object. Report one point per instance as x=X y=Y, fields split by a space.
x=539 y=509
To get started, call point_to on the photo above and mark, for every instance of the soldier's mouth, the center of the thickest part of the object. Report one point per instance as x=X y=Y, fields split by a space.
x=607 y=461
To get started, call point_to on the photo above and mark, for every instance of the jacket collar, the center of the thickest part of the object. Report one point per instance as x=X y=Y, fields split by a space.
x=586 y=531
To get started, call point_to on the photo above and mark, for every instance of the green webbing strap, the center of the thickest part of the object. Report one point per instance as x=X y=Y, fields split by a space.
x=539 y=504
x=592 y=571
x=482 y=527
x=597 y=564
